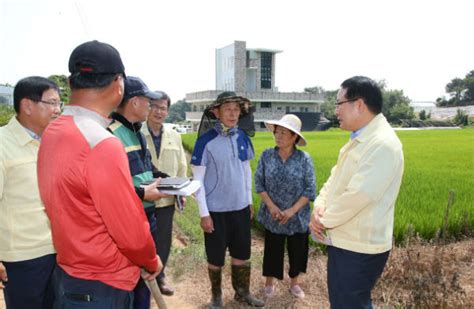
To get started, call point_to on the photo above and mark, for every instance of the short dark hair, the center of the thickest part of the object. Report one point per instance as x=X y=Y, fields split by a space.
x=32 y=88
x=164 y=96
x=366 y=89
x=91 y=81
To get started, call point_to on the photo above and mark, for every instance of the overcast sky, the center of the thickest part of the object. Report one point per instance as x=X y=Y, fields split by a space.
x=414 y=45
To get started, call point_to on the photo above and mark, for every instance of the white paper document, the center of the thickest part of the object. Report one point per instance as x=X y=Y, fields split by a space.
x=187 y=190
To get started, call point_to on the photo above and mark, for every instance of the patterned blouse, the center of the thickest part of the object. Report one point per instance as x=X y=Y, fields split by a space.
x=285 y=182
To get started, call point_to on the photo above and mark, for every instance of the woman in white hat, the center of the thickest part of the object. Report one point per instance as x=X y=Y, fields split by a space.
x=286 y=183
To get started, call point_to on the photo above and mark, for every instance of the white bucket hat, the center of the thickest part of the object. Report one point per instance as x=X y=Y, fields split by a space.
x=290 y=122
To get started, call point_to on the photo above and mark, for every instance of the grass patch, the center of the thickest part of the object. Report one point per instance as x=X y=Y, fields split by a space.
x=186 y=258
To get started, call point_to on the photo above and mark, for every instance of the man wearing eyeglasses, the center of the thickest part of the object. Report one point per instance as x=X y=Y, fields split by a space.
x=126 y=124
x=354 y=211
x=26 y=246
x=168 y=156
x=100 y=231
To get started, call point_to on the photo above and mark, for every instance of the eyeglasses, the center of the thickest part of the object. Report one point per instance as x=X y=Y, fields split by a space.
x=55 y=104
x=346 y=101
x=158 y=108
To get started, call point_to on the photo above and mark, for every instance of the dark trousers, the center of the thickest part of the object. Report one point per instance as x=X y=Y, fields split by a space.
x=164 y=231
x=75 y=293
x=231 y=230
x=274 y=253
x=30 y=283
x=352 y=276
x=141 y=299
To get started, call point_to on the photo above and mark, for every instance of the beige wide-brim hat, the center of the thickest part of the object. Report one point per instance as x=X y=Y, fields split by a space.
x=290 y=122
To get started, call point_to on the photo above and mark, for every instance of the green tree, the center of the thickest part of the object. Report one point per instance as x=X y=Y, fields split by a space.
x=315 y=90
x=469 y=85
x=455 y=88
x=461 y=91
x=62 y=82
x=422 y=115
x=396 y=106
x=6 y=112
x=177 y=112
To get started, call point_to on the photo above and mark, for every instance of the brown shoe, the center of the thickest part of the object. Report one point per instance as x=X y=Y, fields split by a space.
x=165 y=288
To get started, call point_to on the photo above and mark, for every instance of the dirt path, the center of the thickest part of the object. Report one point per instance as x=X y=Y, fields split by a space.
x=453 y=262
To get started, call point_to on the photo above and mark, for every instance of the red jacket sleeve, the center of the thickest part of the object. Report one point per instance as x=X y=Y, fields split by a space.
x=110 y=187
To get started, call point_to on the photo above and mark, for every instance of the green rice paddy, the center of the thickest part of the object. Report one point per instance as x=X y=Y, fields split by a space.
x=436 y=161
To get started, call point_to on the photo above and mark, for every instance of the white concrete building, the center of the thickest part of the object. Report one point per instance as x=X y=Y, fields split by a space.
x=251 y=73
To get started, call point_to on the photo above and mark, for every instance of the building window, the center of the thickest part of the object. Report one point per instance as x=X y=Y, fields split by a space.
x=279 y=108
x=301 y=109
x=266 y=105
x=266 y=70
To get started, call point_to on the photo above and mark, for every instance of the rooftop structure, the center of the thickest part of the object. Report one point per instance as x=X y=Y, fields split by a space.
x=250 y=72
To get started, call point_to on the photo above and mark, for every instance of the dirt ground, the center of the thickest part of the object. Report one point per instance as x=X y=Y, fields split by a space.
x=453 y=262
x=193 y=289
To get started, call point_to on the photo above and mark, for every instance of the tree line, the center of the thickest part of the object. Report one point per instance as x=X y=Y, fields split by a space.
x=461 y=91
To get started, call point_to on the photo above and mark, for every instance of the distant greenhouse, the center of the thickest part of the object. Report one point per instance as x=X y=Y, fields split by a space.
x=419 y=106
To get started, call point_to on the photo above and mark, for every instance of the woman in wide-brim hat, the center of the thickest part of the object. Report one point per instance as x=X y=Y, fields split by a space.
x=286 y=183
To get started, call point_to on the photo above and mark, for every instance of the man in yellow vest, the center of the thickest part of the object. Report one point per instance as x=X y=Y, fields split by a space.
x=26 y=245
x=168 y=156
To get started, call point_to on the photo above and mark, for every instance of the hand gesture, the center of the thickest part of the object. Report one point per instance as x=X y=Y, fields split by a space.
x=315 y=224
x=275 y=212
x=3 y=275
x=286 y=215
x=207 y=224
x=152 y=193
x=151 y=276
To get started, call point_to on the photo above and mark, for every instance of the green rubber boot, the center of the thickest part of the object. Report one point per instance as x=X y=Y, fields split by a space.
x=215 y=276
x=241 y=284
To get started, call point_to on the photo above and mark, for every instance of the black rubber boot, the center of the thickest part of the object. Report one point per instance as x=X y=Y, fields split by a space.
x=241 y=284
x=215 y=276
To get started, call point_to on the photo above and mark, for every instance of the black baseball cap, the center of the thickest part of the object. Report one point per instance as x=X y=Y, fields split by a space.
x=95 y=57
x=135 y=87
